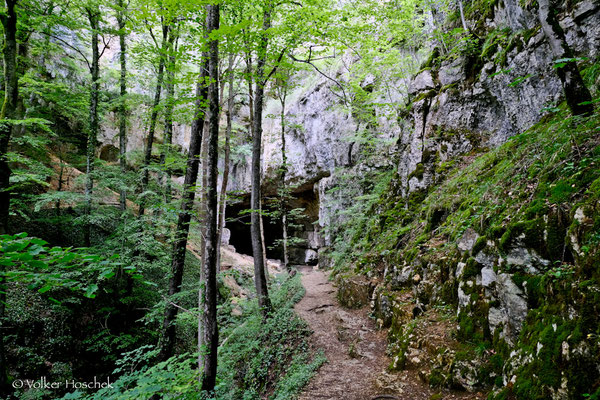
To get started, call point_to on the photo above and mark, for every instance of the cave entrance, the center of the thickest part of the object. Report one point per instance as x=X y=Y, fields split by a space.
x=303 y=232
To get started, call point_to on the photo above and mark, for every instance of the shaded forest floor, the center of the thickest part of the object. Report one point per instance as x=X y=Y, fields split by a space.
x=356 y=367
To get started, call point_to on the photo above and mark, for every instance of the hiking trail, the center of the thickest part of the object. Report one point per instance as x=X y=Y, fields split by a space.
x=355 y=350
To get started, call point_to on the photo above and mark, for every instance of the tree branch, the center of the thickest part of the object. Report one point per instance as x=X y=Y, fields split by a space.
x=151 y=33
x=309 y=62
x=106 y=44
x=274 y=67
x=178 y=306
x=83 y=56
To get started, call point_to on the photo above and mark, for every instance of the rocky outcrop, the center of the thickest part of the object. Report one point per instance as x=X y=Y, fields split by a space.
x=354 y=291
x=494 y=91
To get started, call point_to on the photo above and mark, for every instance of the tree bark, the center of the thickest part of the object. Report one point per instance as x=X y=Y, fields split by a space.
x=226 y=161
x=154 y=117
x=208 y=333
x=183 y=221
x=462 y=15
x=575 y=90
x=249 y=81
x=94 y=20
x=260 y=281
x=168 y=129
x=123 y=95
x=9 y=106
x=11 y=98
x=283 y=189
x=264 y=247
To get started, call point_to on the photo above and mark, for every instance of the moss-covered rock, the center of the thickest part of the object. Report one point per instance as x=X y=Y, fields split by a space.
x=354 y=291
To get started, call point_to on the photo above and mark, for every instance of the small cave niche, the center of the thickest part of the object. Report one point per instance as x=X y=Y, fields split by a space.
x=304 y=237
x=109 y=153
x=238 y=223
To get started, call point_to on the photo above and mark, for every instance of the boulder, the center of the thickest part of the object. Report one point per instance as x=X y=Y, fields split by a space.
x=354 y=291
x=468 y=240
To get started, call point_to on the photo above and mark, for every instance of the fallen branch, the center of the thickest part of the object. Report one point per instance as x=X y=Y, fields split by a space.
x=321 y=306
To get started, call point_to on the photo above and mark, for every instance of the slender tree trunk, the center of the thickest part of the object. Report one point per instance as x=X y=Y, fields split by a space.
x=249 y=81
x=183 y=221
x=226 y=161
x=204 y=163
x=575 y=90
x=462 y=15
x=9 y=107
x=255 y=196
x=208 y=333
x=283 y=189
x=94 y=20
x=154 y=117
x=11 y=98
x=168 y=129
x=264 y=247
x=123 y=94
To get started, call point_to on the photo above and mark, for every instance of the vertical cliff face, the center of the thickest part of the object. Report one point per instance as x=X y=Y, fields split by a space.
x=480 y=100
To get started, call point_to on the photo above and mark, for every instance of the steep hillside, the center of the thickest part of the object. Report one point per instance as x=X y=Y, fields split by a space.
x=493 y=212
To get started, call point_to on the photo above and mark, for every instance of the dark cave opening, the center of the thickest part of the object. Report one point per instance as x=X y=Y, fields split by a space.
x=238 y=223
x=303 y=231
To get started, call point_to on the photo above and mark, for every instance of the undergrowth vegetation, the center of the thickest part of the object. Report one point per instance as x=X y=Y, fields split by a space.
x=260 y=358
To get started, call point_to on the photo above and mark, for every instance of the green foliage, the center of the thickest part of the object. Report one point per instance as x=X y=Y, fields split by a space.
x=256 y=357
x=29 y=261
x=271 y=356
x=350 y=239
x=175 y=378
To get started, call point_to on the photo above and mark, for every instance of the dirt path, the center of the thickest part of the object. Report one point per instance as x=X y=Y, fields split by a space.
x=355 y=350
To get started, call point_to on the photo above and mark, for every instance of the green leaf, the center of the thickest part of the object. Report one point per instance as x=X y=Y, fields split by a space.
x=90 y=291
x=45 y=289
x=107 y=273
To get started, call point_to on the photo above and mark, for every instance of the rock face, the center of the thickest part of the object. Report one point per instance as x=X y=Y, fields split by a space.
x=462 y=105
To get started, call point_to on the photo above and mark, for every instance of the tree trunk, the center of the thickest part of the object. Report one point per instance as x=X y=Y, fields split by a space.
x=262 y=291
x=123 y=94
x=283 y=189
x=264 y=248
x=225 y=181
x=183 y=221
x=94 y=20
x=208 y=333
x=11 y=98
x=575 y=90
x=249 y=81
x=462 y=15
x=202 y=200
x=153 y=118
x=168 y=129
